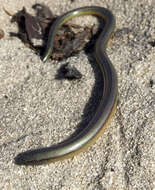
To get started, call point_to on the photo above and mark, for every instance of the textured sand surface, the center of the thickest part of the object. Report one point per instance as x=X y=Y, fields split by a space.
x=37 y=110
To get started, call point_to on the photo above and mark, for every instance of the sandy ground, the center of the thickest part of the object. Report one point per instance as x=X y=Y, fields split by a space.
x=37 y=110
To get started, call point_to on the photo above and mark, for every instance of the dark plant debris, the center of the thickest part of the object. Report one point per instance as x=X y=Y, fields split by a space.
x=34 y=30
x=69 y=72
x=1 y=34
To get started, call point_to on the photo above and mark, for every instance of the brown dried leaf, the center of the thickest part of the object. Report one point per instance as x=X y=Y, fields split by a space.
x=69 y=40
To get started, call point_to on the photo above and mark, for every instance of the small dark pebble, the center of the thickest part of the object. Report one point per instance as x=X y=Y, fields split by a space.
x=5 y=96
x=152 y=43
x=1 y=33
x=68 y=72
x=151 y=83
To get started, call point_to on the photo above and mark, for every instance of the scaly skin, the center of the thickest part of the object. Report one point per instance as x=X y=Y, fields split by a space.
x=108 y=102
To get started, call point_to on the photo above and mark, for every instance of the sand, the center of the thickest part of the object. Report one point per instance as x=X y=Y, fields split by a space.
x=37 y=110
